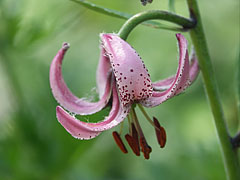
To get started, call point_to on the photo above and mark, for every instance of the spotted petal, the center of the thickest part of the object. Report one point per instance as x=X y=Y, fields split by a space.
x=65 y=97
x=130 y=72
x=84 y=130
x=180 y=80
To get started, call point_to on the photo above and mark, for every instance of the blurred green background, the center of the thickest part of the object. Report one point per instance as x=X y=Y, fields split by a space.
x=33 y=145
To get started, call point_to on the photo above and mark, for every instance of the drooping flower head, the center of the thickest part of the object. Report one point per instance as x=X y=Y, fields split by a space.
x=122 y=81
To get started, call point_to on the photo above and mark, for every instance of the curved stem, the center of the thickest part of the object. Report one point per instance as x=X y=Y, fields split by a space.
x=131 y=23
x=199 y=41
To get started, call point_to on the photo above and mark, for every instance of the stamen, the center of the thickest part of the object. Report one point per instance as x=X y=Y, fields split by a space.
x=129 y=122
x=121 y=128
x=146 y=116
x=160 y=133
x=145 y=148
x=133 y=144
x=119 y=142
x=132 y=137
x=135 y=135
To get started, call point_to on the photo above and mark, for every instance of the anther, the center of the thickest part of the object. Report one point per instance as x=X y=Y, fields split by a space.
x=133 y=140
x=135 y=135
x=119 y=142
x=133 y=144
x=160 y=133
x=146 y=149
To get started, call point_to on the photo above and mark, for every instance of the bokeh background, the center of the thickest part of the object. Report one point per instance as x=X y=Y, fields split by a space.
x=33 y=145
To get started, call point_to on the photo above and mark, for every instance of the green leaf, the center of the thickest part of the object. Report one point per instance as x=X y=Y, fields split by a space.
x=122 y=15
x=103 y=10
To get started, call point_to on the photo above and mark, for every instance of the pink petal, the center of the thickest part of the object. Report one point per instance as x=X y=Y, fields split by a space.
x=65 y=97
x=84 y=130
x=131 y=75
x=193 y=73
x=194 y=68
x=74 y=126
x=163 y=84
x=181 y=78
x=102 y=72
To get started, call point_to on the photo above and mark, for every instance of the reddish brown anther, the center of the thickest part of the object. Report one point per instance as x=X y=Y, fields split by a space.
x=146 y=149
x=160 y=133
x=135 y=135
x=119 y=142
x=133 y=144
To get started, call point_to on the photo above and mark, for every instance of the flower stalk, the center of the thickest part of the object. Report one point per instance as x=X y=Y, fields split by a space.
x=137 y=19
x=198 y=38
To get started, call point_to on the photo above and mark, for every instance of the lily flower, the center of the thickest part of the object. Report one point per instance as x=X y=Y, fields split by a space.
x=122 y=81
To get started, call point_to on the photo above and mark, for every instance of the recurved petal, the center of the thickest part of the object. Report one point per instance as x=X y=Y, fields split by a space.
x=193 y=72
x=181 y=78
x=75 y=127
x=164 y=84
x=131 y=75
x=84 y=130
x=102 y=72
x=194 y=68
x=65 y=97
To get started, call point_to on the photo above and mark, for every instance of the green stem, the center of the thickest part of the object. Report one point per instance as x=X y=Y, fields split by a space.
x=199 y=42
x=122 y=15
x=131 y=23
x=238 y=87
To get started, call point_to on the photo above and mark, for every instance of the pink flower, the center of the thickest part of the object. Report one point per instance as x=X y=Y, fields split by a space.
x=122 y=82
